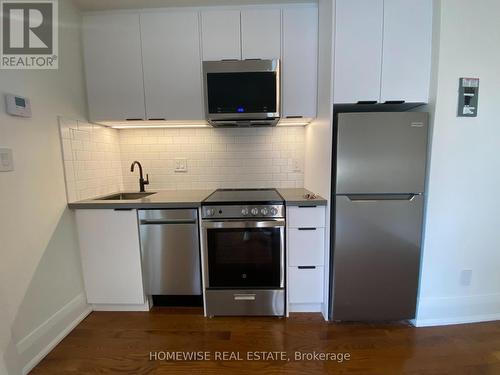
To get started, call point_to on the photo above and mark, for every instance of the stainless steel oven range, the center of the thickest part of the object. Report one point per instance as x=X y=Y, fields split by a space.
x=243 y=245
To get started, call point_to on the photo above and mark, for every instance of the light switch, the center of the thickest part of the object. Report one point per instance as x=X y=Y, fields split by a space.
x=180 y=165
x=6 y=160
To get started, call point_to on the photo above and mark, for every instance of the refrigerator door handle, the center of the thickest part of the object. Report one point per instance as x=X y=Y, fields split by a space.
x=361 y=198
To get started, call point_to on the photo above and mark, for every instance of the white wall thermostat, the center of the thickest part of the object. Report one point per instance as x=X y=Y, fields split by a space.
x=17 y=105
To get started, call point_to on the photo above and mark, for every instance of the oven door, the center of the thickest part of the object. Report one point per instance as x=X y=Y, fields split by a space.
x=244 y=254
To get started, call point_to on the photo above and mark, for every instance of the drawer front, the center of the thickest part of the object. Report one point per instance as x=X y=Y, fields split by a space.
x=306 y=246
x=312 y=217
x=245 y=302
x=305 y=285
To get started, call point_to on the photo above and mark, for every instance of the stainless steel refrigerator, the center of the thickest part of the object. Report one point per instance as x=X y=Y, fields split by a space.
x=379 y=180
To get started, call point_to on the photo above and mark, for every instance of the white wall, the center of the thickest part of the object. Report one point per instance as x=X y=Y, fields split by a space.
x=39 y=268
x=462 y=225
x=318 y=159
x=216 y=158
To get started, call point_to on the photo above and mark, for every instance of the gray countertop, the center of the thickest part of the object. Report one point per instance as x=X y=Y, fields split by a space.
x=185 y=199
x=161 y=199
x=296 y=197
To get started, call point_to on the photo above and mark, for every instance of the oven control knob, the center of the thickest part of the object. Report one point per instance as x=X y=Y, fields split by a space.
x=244 y=211
x=210 y=212
x=264 y=211
x=274 y=211
x=255 y=211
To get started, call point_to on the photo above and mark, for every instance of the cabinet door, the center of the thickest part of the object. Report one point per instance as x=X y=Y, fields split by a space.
x=220 y=35
x=172 y=65
x=261 y=34
x=306 y=246
x=300 y=61
x=305 y=284
x=111 y=258
x=113 y=66
x=358 y=50
x=406 y=63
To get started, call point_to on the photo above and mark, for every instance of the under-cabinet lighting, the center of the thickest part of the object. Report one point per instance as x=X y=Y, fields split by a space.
x=301 y=121
x=150 y=124
x=140 y=124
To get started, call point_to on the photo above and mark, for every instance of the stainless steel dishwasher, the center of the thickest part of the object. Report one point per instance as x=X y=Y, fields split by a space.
x=170 y=252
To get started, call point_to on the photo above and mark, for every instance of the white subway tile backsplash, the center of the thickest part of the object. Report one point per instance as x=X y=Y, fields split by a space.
x=217 y=158
x=97 y=159
x=92 y=160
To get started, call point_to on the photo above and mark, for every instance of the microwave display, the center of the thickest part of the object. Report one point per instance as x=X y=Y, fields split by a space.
x=242 y=92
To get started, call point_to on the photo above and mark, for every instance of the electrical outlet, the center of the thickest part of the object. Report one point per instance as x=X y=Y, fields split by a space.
x=465 y=277
x=180 y=165
x=296 y=165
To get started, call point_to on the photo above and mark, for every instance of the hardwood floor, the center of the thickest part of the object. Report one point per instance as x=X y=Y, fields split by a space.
x=120 y=343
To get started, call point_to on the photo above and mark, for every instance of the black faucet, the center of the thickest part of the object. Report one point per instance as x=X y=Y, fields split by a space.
x=142 y=181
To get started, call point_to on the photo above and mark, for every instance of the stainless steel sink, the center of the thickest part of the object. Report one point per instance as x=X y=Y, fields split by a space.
x=125 y=196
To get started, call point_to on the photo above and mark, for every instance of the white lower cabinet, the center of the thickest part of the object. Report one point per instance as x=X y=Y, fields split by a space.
x=306 y=246
x=305 y=258
x=111 y=256
x=305 y=284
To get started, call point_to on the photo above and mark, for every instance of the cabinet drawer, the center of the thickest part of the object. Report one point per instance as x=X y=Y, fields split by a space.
x=306 y=246
x=306 y=217
x=305 y=285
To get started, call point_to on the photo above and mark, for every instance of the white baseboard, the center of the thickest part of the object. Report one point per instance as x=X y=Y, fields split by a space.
x=111 y=307
x=457 y=310
x=456 y=320
x=305 y=307
x=38 y=343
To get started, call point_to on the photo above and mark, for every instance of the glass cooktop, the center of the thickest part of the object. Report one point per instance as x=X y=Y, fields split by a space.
x=242 y=196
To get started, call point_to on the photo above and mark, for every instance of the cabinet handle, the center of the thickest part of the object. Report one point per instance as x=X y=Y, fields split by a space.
x=367 y=102
x=312 y=206
x=295 y=116
x=122 y=209
x=307 y=267
x=306 y=228
x=134 y=119
x=394 y=102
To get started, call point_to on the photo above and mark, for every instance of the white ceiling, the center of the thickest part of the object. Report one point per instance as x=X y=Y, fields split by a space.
x=94 y=5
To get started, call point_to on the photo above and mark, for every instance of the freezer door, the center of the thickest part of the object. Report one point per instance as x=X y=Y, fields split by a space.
x=376 y=257
x=381 y=152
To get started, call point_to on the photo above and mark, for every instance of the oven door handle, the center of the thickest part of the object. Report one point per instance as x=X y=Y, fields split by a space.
x=243 y=224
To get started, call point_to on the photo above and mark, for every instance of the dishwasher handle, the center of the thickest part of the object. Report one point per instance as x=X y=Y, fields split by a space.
x=168 y=222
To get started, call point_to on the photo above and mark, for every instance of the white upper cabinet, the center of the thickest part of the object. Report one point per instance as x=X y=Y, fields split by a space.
x=382 y=50
x=406 y=64
x=220 y=30
x=146 y=65
x=172 y=65
x=261 y=34
x=300 y=61
x=113 y=66
x=358 y=47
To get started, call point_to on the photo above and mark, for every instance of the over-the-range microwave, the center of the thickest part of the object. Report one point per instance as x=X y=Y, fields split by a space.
x=242 y=92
